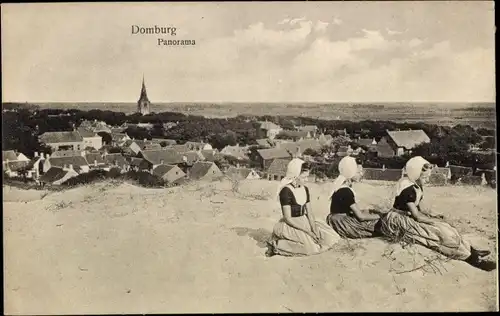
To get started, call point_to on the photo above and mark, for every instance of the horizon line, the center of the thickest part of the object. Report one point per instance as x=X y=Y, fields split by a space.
x=268 y=102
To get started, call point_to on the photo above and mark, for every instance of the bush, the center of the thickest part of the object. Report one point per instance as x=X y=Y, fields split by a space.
x=86 y=178
x=145 y=179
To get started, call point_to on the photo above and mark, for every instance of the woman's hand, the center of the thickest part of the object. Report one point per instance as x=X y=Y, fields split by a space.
x=313 y=236
x=316 y=231
x=426 y=221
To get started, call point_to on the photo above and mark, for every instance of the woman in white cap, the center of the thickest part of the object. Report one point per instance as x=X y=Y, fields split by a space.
x=298 y=233
x=406 y=222
x=345 y=217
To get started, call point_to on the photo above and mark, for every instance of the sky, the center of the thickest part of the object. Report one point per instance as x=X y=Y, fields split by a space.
x=250 y=52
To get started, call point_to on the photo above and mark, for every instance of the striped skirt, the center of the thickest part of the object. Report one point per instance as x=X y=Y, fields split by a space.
x=440 y=236
x=350 y=227
x=288 y=241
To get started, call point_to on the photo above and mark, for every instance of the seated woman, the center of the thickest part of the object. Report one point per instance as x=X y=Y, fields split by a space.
x=406 y=222
x=298 y=233
x=345 y=217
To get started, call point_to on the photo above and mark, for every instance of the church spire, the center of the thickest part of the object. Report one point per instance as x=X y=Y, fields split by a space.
x=144 y=95
x=143 y=103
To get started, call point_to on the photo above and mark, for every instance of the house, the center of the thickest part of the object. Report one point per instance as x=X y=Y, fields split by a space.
x=270 y=129
x=203 y=170
x=403 y=142
x=97 y=126
x=179 y=148
x=13 y=168
x=140 y=164
x=67 y=153
x=95 y=160
x=151 y=146
x=90 y=138
x=9 y=155
x=22 y=157
x=242 y=173
x=78 y=163
x=382 y=174
x=132 y=147
x=312 y=130
x=209 y=155
x=297 y=149
x=238 y=152
x=384 y=149
x=266 y=156
x=191 y=157
x=277 y=169
x=116 y=161
x=366 y=142
x=119 y=138
x=161 y=157
x=294 y=135
x=198 y=146
x=169 y=173
x=57 y=175
x=164 y=141
x=62 y=140
x=264 y=142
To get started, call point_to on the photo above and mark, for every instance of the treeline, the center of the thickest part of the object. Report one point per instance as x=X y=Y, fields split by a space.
x=22 y=127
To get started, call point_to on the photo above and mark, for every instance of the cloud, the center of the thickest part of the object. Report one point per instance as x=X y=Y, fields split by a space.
x=391 y=32
x=296 y=20
x=337 y=21
x=321 y=26
x=297 y=60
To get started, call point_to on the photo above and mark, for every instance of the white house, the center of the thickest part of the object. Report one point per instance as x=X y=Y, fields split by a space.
x=78 y=163
x=90 y=139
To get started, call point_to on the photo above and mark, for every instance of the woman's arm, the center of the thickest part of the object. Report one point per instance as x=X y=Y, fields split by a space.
x=419 y=217
x=427 y=212
x=310 y=217
x=287 y=216
x=362 y=216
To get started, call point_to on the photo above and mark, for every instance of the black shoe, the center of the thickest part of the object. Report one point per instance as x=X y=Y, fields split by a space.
x=486 y=265
x=480 y=253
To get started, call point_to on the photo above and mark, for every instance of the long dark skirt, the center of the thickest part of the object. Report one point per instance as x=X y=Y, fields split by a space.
x=348 y=226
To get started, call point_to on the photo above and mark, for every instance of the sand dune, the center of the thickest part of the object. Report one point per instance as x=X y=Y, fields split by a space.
x=119 y=248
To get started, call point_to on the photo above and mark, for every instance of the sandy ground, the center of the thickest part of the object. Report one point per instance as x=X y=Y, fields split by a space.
x=119 y=248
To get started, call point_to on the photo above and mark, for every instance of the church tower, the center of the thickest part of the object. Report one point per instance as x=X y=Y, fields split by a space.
x=143 y=103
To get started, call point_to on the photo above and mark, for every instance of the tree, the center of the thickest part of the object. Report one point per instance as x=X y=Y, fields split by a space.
x=23 y=173
x=310 y=152
x=106 y=138
x=488 y=143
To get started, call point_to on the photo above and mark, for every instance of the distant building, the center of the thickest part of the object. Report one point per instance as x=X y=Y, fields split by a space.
x=57 y=175
x=75 y=163
x=403 y=142
x=266 y=156
x=311 y=129
x=169 y=173
x=203 y=170
x=162 y=157
x=277 y=169
x=383 y=149
x=198 y=146
x=90 y=139
x=270 y=129
x=240 y=153
x=143 y=105
x=63 y=140
x=238 y=173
